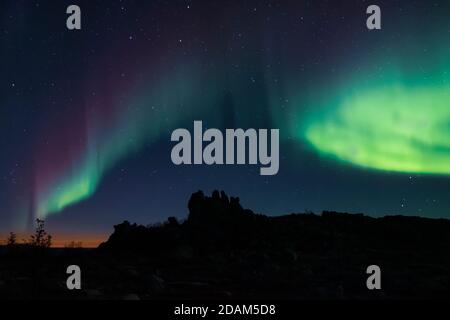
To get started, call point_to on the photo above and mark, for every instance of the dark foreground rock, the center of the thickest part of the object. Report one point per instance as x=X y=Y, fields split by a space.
x=224 y=251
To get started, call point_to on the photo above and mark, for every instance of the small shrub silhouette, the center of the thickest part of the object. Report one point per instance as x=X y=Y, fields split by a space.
x=74 y=245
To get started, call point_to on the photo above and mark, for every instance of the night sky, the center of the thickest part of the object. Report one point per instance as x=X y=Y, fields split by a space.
x=86 y=116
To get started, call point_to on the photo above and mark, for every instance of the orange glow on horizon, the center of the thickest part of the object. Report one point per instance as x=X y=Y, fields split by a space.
x=64 y=240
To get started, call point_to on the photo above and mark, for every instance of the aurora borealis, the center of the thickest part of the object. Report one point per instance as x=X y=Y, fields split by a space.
x=134 y=125
x=86 y=116
x=394 y=128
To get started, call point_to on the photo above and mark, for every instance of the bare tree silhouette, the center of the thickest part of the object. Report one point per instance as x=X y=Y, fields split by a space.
x=11 y=241
x=41 y=239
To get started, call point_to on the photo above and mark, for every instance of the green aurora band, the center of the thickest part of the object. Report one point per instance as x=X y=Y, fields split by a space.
x=150 y=112
x=401 y=127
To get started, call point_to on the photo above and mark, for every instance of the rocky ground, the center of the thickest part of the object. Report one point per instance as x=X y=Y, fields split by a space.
x=225 y=251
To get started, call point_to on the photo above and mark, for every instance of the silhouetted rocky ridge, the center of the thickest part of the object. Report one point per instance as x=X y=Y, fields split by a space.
x=295 y=255
x=223 y=251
